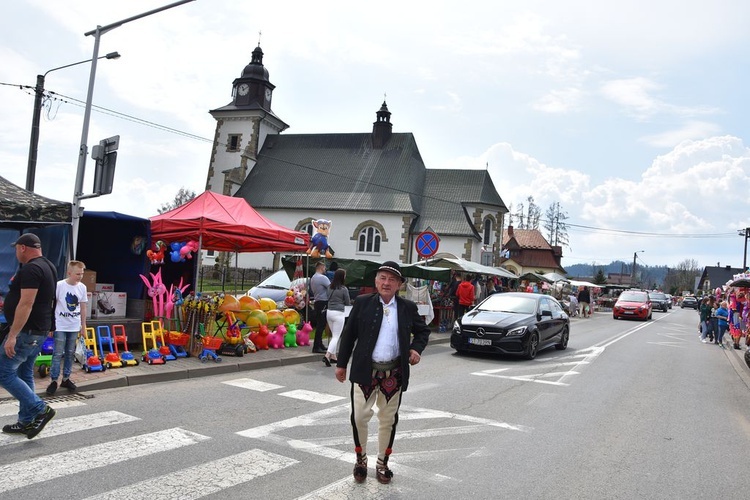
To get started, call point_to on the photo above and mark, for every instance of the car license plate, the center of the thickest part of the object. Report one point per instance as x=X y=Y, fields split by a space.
x=480 y=341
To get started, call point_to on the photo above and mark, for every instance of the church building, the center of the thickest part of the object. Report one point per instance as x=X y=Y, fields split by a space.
x=373 y=186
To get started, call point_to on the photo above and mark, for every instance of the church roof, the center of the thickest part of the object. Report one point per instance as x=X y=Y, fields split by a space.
x=337 y=172
x=446 y=193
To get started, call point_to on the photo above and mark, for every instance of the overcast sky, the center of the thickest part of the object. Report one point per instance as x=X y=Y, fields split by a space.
x=631 y=115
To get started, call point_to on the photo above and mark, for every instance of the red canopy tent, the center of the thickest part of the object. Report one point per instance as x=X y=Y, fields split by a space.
x=226 y=224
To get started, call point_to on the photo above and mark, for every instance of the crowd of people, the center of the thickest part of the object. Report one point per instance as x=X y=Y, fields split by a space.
x=722 y=313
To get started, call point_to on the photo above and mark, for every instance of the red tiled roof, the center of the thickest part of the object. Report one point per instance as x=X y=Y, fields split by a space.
x=527 y=239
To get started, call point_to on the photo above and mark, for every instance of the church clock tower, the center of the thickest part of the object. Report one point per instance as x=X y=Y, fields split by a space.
x=241 y=127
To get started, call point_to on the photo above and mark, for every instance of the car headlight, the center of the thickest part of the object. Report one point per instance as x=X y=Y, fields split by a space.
x=456 y=326
x=516 y=332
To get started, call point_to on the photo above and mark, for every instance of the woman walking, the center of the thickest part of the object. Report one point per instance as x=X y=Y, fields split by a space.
x=722 y=315
x=338 y=299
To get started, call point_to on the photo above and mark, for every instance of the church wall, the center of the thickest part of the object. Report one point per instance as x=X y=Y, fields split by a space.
x=342 y=237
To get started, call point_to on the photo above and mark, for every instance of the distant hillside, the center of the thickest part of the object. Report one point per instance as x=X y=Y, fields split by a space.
x=652 y=276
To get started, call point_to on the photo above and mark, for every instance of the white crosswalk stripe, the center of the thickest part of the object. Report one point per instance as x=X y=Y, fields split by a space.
x=24 y=473
x=204 y=479
x=8 y=409
x=254 y=385
x=60 y=426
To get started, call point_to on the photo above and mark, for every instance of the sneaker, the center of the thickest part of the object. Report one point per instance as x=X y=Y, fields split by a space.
x=40 y=421
x=69 y=385
x=52 y=388
x=17 y=428
x=704 y=341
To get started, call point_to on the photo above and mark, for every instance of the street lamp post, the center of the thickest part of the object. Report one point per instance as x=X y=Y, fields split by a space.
x=746 y=233
x=635 y=255
x=35 y=119
x=83 y=150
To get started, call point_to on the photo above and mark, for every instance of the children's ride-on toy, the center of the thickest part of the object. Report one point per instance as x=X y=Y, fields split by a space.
x=126 y=357
x=210 y=345
x=93 y=363
x=152 y=355
x=177 y=342
x=44 y=359
x=234 y=344
x=112 y=357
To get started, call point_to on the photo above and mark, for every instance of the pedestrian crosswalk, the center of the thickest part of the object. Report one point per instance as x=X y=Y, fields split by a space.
x=287 y=440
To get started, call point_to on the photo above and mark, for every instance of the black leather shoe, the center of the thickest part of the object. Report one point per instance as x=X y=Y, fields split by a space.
x=326 y=361
x=319 y=350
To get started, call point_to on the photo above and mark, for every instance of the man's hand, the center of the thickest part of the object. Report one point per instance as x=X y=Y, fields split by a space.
x=10 y=346
x=414 y=357
x=340 y=374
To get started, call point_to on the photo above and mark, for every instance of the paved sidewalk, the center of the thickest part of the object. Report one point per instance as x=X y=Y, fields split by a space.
x=186 y=368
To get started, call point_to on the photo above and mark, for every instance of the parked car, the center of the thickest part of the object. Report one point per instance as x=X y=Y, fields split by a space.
x=690 y=302
x=512 y=323
x=659 y=301
x=632 y=304
x=274 y=287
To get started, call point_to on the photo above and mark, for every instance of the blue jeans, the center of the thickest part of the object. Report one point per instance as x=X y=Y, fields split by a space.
x=17 y=375
x=705 y=327
x=65 y=346
x=722 y=329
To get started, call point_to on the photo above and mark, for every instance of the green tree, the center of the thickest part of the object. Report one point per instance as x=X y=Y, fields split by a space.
x=599 y=278
x=183 y=196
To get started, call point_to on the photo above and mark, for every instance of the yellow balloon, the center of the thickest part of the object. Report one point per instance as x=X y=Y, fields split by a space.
x=267 y=304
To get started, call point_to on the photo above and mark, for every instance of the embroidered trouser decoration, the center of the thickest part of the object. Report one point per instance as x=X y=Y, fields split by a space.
x=385 y=391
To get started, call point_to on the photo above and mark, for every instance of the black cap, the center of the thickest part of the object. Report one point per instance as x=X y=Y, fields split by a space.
x=391 y=267
x=29 y=240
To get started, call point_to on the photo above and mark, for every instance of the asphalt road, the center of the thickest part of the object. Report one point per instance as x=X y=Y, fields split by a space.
x=629 y=410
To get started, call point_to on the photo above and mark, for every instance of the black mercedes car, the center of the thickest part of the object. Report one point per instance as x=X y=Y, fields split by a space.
x=659 y=301
x=512 y=323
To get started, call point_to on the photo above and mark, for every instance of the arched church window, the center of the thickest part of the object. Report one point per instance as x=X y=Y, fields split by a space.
x=487 y=239
x=368 y=240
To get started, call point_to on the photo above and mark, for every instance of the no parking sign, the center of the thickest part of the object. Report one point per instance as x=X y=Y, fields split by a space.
x=427 y=244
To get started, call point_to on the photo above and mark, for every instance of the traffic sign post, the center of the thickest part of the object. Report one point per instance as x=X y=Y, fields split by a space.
x=427 y=244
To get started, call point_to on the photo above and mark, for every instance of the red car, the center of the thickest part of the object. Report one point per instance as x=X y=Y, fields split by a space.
x=632 y=304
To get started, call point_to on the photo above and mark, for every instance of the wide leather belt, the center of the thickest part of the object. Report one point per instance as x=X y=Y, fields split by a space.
x=386 y=365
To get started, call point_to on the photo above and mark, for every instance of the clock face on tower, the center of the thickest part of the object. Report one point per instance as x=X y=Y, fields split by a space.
x=243 y=89
x=268 y=95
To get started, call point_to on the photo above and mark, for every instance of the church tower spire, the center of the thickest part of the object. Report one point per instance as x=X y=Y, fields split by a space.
x=382 y=127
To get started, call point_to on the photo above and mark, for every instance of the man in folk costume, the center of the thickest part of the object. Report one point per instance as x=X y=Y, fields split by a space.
x=383 y=336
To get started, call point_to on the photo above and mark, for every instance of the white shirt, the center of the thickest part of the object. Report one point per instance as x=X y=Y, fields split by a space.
x=68 y=299
x=387 y=348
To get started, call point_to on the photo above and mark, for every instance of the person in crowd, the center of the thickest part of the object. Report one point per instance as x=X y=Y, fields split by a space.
x=70 y=321
x=383 y=336
x=452 y=294
x=573 y=304
x=584 y=301
x=28 y=309
x=713 y=321
x=332 y=270
x=319 y=285
x=722 y=316
x=705 y=319
x=465 y=294
x=338 y=299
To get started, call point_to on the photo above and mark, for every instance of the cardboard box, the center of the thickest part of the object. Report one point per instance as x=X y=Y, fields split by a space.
x=104 y=287
x=91 y=304
x=89 y=279
x=110 y=305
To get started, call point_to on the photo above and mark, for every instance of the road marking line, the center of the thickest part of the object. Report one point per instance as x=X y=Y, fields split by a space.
x=58 y=427
x=253 y=385
x=46 y=467
x=314 y=397
x=525 y=379
x=204 y=479
x=8 y=409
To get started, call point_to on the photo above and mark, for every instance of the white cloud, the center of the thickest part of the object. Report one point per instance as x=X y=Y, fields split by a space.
x=690 y=130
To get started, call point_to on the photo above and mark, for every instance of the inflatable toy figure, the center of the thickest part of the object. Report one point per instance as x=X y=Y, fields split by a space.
x=260 y=338
x=156 y=290
x=290 y=338
x=276 y=338
x=303 y=335
x=319 y=242
x=157 y=256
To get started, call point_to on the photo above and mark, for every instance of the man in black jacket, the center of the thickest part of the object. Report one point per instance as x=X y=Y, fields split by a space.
x=383 y=336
